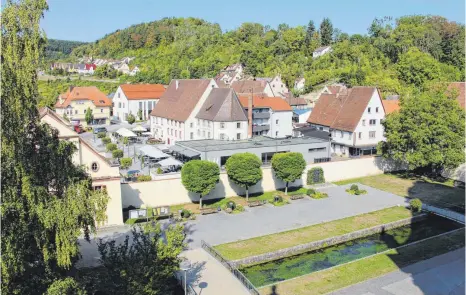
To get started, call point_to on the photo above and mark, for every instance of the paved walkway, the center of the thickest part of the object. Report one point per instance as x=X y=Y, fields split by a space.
x=441 y=275
x=210 y=277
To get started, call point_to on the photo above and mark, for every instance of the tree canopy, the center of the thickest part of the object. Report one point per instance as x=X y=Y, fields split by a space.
x=200 y=176
x=288 y=166
x=244 y=169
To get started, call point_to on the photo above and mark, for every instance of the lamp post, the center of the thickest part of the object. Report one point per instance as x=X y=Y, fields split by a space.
x=185 y=265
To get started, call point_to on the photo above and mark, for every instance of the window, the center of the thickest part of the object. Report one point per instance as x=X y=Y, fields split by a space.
x=198 y=122
x=238 y=125
x=369 y=110
x=119 y=105
x=372 y=122
x=176 y=133
x=349 y=135
x=363 y=122
x=377 y=109
x=276 y=121
x=238 y=135
x=168 y=131
x=222 y=125
x=123 y=105
x=208 y=135
x=321 y=128
x=203 y=133
x=321 y=149
x=101 y=110
x=75 y=112
x=222 y=136
x=360 y=135
x=191 y=124
x=276 y=133
x=118 y=94
x=94 y=167
x=180 y=134
x=191 y=135
x=198 y=132
x=140 y=105
x=341 y=134
x=371 y=134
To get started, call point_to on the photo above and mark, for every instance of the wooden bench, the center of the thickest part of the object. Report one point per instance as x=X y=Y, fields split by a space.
x=296 y=197
x=208 y=211
x=256 y=203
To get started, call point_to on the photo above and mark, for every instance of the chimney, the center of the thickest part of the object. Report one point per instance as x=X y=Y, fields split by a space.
x=250 y=115
x=177 y=83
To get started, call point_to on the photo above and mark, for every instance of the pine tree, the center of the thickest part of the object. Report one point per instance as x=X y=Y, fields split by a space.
x=326 y=32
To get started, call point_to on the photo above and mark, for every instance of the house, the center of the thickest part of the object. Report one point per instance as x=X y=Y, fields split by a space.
x=174 y=117
x=457 y=89
x=271 y=116
x=278 y=86
x=296 y=102
x=134 y=71
x=74 y=103
x=104 y=174
x=300 y=116
x=321 y=51
x=230 y=74
x=354 y=117
x=391 y=106
x=299 y=84
x=90 y=68
x=256 y=87
x=130 y=99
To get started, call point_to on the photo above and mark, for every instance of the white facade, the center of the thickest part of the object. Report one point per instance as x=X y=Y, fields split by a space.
x=122 y=106
x=134 y=71
x=278 y=124
x=299 y=84
x=321 y=51
x=278 y=86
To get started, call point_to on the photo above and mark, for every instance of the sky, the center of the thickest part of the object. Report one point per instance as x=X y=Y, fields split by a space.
x=89 y=20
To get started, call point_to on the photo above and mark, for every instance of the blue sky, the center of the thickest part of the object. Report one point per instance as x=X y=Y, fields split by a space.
x=89 y=20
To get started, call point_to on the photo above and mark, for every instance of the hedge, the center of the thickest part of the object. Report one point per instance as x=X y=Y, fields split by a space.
x=144 y=178
x=106 y=140
x=111 y=147
x=125 y=163
x=116 y=154
x=320 y=177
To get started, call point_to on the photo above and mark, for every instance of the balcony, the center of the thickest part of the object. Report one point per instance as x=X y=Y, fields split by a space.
x=263 y=115
x=258 y=128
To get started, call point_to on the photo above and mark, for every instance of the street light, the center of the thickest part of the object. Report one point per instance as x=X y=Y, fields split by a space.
x=185 y=265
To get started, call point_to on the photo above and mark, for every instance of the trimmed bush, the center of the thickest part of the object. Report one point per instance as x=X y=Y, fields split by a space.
x=101 y=134
x=315 y=175
x=185 y=213
x=415 y=205
x=111 y=147
x=144 y=178
x=125 y=163
x=319 y=195
x=310 y=191
x=159 y=171
x=106 y=140
x=354 y=187
x=116 y=154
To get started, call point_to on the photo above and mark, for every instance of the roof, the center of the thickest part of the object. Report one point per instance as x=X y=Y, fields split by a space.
x=91 y=93
x=334 y=89
x=301 y=111
x=295 y=101
x=309 y=131
x=47 y=111
x=392 y=97
x=459 y=87
x=142 y=91
x=342 y=110
x=245 y=86
x=152 y=152
x=391 y=106
x=275 y=103
x=222 y=105
x=320 y=49
x=125 y=132
x=206 y=145
x=177 y=103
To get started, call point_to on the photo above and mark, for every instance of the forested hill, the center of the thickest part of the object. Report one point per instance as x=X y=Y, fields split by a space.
x=395 y=55
x=59 y=49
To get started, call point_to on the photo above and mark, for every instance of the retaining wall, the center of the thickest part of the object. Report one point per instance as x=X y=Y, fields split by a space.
x=324 y=243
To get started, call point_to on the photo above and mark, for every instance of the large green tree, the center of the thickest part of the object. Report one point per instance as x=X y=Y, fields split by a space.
x=200 y=177
x=244 y=169
x=427 y=133
x=47 y=201
x=326 y=32
x=288 y=167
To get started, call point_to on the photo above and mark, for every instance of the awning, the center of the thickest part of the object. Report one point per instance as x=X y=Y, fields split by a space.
x=170 y=162
x=189 y=153
x=175 y=149
x=139 y=128
x=163 y=148
x=125 y=132
x=152 y=152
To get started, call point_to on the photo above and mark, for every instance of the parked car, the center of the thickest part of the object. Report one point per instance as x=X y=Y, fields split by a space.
x=100 y=129
x=78 y=128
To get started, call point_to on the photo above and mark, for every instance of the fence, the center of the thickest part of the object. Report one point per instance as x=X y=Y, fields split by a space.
x=231 y=268
x=444 y=213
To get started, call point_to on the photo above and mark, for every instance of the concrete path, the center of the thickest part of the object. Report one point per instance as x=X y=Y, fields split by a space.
x=210 y=277
x=441 y=275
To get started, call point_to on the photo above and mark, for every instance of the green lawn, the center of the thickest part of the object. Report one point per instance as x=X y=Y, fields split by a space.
x=358 y=271
x=441 y=194
x=273 y=242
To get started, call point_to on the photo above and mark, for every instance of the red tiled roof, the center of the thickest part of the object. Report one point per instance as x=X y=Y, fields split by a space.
x=275 y=103
x=245 y=86
x=143 y=91
x=458 y=87
x=391 y=106
x=342 y=111
x=91 y=93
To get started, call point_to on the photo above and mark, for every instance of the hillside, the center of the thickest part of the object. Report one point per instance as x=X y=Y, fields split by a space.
x=396 y=55
x=60 y=49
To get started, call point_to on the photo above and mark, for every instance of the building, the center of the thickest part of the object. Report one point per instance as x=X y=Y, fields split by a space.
x=76 y=100
x=457 y=89
x=134 y=71
x=300 y=116
x=309 y=131
x=314 y=150
x=391 y=106
x=299 y=84
x=271 y=116
x=103 y=174
x=256 y=87
x=321 y=51
x=354 y=117
x=230 y=74
x=174 y=117
x=130 y=99
x=296 y=102
x=278 y=86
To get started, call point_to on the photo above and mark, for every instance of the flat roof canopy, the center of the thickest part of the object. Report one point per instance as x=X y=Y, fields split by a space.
x=139 y=128
x=183 y=151
x=125 y=132
x=170 y=162
x=152 y=152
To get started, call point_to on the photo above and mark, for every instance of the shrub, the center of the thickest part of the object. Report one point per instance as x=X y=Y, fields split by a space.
x=315 y=175
x=111 y=147
x=319 y=195
x=106 y=140
x=416 y=205
x=231 y=205
x=125 y=163
x=144 y=178
x=159 y=170
x=116 y=154
x=310 y=191
x=238 y=209
x=354 y=187
x=185 y=213
x=101 y=134
x=131 y=119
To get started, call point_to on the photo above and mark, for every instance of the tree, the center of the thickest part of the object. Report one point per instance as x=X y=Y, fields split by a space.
x=427 y=133
x=116 y=154
x=326 y=32
x=311 y=28
x=67 y=286
x=143 y=266
x=131 y=119
x=140 y=114
x=288 y=167
x=89 y=116
x=200 y=177
x=47 y=201
x=125 y=163
x=244 y=169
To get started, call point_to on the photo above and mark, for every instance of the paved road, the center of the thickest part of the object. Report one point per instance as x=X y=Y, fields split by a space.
x=441 y=275
x=222 y=228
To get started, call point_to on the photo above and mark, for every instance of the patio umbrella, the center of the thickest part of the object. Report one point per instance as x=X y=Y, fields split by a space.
x=139 y=128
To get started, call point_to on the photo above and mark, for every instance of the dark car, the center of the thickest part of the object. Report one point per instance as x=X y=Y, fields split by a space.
x=100 y=129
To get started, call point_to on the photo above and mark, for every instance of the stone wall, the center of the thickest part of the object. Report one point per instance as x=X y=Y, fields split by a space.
x=324 y=243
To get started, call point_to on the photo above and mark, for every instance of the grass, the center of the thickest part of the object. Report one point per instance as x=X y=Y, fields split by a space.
x=437 y=193
x=273 y=242
x=361 y=270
